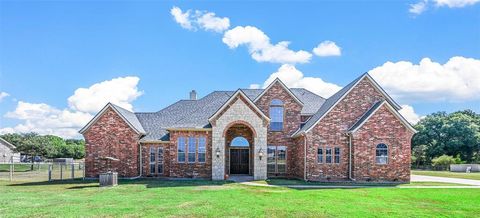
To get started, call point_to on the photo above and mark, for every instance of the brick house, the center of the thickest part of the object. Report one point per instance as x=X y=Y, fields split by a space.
x=357 y=134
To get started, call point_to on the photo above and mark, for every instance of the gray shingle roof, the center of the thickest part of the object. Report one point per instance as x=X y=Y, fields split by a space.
x=130 y=117
x=195 y=113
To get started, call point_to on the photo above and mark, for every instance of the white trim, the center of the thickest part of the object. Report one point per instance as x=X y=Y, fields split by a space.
x=395 y=113
x=99 y=114
x=284 y=87
x=234 y=96
x=5 y=142
x=375 y=84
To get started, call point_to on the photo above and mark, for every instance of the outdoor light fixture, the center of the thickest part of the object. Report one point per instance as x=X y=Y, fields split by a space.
x=217 y=152
x=260 y=153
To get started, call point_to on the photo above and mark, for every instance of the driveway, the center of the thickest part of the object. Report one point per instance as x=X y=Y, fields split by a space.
x=418 y=178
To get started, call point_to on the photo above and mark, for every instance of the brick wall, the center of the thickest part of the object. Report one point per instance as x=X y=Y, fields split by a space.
x=167 y=147
x=382 y=127
x=292 y=120
x=111 y=136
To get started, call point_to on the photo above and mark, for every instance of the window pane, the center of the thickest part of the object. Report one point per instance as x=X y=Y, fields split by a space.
x=239 y=142
x=201 y=149
x=282 y=155
x=381 y=154
x=337 y=155
x=160 y=168
x=181 y=149
x=320 y=155
x=152 y=154
x=160 y=160
x=191 y=149
x=276 y=102
x=152 y=168
x=276 y=116
x=328 y=155
x=271 y=159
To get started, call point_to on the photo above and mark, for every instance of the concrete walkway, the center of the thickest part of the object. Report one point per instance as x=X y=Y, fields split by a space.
x=418 y=178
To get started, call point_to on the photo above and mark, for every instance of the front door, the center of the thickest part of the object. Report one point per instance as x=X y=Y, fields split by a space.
x=239 y=161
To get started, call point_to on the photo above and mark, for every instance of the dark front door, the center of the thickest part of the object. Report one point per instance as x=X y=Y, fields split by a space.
x=239 y=161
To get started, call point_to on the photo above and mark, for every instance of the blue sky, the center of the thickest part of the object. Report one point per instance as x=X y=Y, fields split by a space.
x=48 y=50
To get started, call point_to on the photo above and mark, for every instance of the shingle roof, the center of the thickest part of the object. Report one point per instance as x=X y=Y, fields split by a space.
x=130 y=117
x=195 y=113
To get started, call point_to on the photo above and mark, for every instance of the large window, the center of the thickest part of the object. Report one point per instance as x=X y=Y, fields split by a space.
x=202 y=141
x=160 y=160
x=181 y=149
x=337 y=155
x=152 y=160
x=381 y=154
x=191 y=149
x=276 y=160
x=328 y=155
x=276 y=115
x=320 y=155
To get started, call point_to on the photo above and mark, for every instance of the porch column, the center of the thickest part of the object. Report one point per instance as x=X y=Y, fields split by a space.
x=260 y=165
x=218 y=163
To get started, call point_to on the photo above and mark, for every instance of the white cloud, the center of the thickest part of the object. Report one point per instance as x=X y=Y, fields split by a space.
x=409 y=114
x=455 y=3
x=208 y=21
x=456 y=80
x=260 y=48
x=182 y=18
x=84 y=104
x=327 y=48
x=418 y=7
x=120 y=91
x=200 y=19
x=3 y=95
x=293 y=78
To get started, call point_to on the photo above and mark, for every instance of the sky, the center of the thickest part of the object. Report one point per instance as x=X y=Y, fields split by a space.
x=61 y=62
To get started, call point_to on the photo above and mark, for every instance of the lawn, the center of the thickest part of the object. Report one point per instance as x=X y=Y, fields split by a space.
x=475 y=176
x=154 y=198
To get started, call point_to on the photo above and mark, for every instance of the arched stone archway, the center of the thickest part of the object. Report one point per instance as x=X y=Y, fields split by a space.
x=239 y=147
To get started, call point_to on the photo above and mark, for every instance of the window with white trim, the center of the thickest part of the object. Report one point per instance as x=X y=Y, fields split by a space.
x=152 y=160
x=160 y=160
x=319 y=155
x=276 y=115
x=381 y=154
x=181 y=149
x=328 y=155
x=337 y=155
x=192 y=143
x=202 y=142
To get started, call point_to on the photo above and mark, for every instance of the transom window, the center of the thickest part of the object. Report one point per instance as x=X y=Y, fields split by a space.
x=276 y=115
x=381 y=154
x=239 y=141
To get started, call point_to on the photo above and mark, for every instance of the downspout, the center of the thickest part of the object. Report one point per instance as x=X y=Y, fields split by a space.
x=350 y=157
x=305 y=157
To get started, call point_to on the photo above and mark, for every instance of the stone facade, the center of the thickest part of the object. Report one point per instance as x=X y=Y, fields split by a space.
x=111 y=136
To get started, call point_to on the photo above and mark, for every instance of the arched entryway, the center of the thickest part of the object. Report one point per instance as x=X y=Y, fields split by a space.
x=239 y=149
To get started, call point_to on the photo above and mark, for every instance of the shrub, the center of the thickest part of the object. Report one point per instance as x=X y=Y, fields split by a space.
x=443 y=162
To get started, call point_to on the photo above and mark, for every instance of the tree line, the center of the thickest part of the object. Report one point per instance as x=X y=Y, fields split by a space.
x=446 y=138
x=47 y=146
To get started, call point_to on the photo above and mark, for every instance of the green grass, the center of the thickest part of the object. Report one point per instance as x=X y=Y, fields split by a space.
x=289 y=182
x=18 y=167
x=432 y=184
x=475 y=176
x=154 y=198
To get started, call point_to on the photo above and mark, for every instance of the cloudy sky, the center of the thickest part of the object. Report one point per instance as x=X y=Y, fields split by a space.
x=61 y=62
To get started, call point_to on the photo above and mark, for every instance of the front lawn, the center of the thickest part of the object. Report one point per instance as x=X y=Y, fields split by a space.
x=475 y=176
x=154 y=198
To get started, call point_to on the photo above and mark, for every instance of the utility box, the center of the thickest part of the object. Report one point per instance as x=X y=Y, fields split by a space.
x=108 y=179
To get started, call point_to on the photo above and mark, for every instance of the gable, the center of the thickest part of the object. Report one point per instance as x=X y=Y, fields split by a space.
x=129 y=119
x=278 y=83
x=238 y=96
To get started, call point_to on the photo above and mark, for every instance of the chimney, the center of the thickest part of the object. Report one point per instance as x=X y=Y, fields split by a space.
x=193 y=95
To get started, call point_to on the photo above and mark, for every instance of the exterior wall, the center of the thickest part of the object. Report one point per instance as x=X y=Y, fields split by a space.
x=188 y=170
x=330 y=131
x=239 y=112
x=382 y=127
x=7 y=154
x=292 y=120
x=111 y=136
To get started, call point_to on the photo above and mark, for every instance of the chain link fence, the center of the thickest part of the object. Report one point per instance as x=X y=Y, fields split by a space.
x=41 y=172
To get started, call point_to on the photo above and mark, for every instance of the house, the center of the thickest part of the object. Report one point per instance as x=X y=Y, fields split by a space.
x=7 y=152
x=356 y=134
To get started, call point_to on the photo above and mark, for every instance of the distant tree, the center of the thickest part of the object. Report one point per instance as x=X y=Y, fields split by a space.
x=419 y=155
x=443 y=162
x=34 y=145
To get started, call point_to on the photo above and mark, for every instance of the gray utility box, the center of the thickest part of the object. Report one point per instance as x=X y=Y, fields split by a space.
x=109 y=179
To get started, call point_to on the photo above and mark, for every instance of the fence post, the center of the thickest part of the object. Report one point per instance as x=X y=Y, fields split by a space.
x=73 y=170
x=61 y=171
x=50 y=172
x=11 y=172
x=83 y=170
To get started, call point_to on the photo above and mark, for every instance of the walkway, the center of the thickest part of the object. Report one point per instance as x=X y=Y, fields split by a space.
x=418 y=178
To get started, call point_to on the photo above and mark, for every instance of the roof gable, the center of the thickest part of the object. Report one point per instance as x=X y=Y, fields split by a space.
x=370 y=112
x=238 y=94
x=7 y=143
x=277 y=80
x=129 y=117
x=331 y=102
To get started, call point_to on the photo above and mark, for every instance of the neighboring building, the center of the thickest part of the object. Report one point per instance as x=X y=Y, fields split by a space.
x=356 y=134
x=7 y=152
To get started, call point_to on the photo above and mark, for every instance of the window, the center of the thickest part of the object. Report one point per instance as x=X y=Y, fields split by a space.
x=160 y=160
x=320 y=155
x=191 y=149
x=328 y=155
x=181 y=149
x=276 y=159
x=337 y=155
x=152 y=160
x=276 y=115
x=381 y=154
x=202 y=141
x=239 y=141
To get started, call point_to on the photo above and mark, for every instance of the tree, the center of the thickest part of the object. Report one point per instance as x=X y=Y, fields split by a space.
x=419 y=155
x=443 y=162
x=34 y=145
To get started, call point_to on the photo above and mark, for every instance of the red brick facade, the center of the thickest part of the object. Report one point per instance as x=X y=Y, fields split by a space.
x=111 y=136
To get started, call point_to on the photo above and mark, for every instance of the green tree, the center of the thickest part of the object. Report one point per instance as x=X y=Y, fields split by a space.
x=419 y=155
x=443 y=162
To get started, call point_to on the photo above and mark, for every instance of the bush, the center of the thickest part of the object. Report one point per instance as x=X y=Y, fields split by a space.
x=443 y=162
